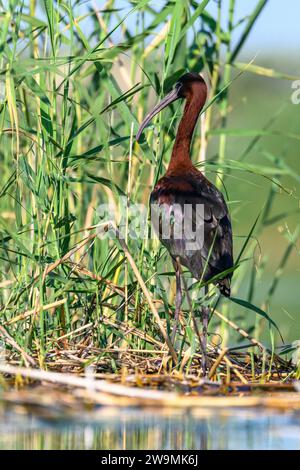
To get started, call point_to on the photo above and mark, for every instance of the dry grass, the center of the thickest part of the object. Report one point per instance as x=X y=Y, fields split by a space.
x=69 y=394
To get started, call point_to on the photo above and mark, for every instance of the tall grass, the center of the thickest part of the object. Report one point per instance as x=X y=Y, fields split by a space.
x=75 y=80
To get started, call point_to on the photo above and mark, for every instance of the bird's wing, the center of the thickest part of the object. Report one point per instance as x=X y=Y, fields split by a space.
x=200 y=208
x=218 y=232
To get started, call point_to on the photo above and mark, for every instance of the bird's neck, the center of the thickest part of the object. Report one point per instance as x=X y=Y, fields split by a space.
x=180 y=157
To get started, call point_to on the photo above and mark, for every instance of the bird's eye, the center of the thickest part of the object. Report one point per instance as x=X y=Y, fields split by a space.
x=178 y=87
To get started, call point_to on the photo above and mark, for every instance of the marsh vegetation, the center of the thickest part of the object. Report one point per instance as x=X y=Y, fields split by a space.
x=76 y=79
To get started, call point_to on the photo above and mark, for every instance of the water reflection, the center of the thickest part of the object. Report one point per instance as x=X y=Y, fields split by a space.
x=135 y=429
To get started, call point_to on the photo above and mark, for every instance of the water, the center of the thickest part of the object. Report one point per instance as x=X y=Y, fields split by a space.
x=137 y=429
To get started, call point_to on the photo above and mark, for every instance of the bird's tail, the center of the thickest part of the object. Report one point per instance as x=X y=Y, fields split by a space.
x=224 y=287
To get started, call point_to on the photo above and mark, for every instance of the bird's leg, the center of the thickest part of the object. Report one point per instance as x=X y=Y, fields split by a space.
x=203 y=335
x=189 y=300
x=178 y=300
x=205 y=319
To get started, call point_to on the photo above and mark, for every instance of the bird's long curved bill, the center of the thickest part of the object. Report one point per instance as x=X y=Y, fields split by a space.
x=168 y=99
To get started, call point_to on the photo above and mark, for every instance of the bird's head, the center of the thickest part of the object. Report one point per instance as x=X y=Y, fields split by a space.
x=189 y=85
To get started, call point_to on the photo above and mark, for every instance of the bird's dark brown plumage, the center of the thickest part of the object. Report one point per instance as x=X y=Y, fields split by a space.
x=206 y=263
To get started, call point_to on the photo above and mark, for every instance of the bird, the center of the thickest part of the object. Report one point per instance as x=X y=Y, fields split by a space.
x=183 y=185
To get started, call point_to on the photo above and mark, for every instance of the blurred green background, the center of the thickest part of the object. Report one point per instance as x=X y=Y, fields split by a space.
x=76 y=78
x=255 y=100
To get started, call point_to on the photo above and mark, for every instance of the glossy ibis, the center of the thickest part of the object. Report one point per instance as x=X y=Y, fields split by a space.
x=183 y=185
